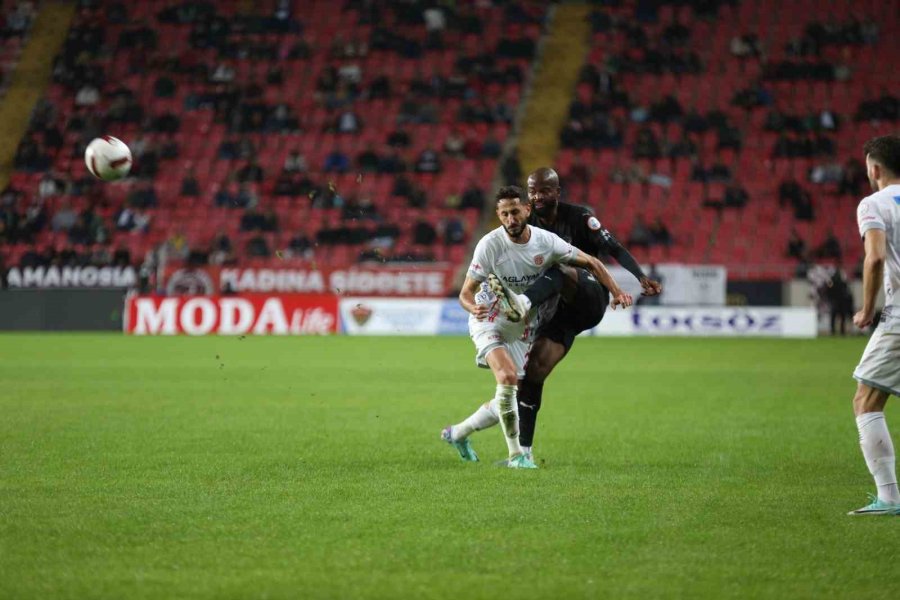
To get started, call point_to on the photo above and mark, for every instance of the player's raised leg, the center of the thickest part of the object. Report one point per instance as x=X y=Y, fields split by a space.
x=544 y=356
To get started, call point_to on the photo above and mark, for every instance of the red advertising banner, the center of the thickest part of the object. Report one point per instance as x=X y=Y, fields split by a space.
x=255 y=314
x=426 y=281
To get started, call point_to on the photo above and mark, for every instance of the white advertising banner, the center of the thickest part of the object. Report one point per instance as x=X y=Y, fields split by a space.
x=750 y=321
x=683 y=285
x=390 y=316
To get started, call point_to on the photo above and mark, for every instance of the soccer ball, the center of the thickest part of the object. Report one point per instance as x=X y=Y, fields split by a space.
x=108 y=158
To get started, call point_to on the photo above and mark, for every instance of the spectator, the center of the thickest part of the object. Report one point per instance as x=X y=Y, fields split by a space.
x=640 y=233
x=226 y=197
x=257 y=247
x=336 y=161
x=368 y=160
x=246 y=197
x=796 y=246
x=454 y=231
x=121 y=257
x=50 y=186
x=164 y=87
x=840 y=301
x=250 y=173
x=175 y=248
x=659 y=233
x=189 y=184
x=64 y=218
x=428 y=162
x=830 y=172
x=295 y=163
x=398 y=139
x=646 y=144
x=735 y=196
x=380 y=87
x=830 y=248
x=472 y=197
x=269 y=222
x=348 y=122
x=251 y=220
x=221 y=250
x=300 y=246
x=391 y=163
x=454 y=145
x=490 y=147
x=853 y=179
x=424 y=233
x=88 y=95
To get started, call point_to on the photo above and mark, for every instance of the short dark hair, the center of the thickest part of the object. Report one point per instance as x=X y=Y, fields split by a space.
x=510 y=192
x=886 y=151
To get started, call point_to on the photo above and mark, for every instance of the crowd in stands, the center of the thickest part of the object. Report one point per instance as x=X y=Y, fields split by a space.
x=715 y=124
x=16 y=19
x=368 y=125
x=369 y=131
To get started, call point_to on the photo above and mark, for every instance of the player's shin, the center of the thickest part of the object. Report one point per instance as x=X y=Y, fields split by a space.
x=508 y=408
x=529 y=400
x=486 y=416
x=878 y=450
x=546 y=286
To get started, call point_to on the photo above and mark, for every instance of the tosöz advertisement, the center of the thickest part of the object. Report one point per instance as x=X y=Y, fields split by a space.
x=244 y=314
x=775 y=321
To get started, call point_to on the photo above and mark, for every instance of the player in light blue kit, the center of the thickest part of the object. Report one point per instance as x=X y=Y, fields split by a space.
x=506 y=261
x=878 y=372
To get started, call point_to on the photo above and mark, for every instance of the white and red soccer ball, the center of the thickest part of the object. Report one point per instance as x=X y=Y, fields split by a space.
x=108 y=158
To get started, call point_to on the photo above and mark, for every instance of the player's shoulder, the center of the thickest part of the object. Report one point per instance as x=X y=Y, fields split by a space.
x=889 y=195
x=887 y=198
x=576 y=210
x=493 y=235
x=582 y=215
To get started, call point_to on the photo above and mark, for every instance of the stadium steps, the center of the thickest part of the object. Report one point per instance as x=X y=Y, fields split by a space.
x=546 y=110
x=30 y=79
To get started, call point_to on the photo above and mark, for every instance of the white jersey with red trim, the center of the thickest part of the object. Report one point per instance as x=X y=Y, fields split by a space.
x=518 y=265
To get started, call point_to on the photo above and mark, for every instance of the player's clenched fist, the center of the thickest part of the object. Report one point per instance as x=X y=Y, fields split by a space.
x=621 y=299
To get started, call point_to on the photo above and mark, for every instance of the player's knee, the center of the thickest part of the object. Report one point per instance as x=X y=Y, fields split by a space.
x=868 y=399
x=538 y=370
x=507 y=377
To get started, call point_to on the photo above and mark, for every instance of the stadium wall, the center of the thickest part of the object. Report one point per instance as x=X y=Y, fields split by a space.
x=61 y=310
x=304 y=314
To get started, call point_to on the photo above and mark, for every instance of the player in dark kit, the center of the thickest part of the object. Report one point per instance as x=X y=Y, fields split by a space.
x=583 y=299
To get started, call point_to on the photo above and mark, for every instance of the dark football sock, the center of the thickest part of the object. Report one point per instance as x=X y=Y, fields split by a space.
x=529 y=398
x=546 y=286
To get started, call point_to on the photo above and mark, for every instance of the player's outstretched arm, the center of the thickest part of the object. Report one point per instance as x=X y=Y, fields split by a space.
x=873 y=275
x=467 y=299
x=609 y=245
x=599 y=270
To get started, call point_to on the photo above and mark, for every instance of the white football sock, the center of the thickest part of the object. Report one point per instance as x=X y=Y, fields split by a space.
x=526 y=449
x=486 y=416
x=878 y=450
x=508 y=408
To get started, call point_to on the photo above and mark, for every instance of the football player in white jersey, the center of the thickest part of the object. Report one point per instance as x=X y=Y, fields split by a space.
x=513 y=255
x=878 y=372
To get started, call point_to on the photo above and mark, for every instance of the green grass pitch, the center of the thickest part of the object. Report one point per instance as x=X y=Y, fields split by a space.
x=311 y=468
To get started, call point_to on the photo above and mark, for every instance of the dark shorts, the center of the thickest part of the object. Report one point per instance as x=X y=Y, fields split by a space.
x=584 y=312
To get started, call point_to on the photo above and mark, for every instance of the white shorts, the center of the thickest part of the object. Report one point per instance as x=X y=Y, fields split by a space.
x=879 y=367
x=490 y=335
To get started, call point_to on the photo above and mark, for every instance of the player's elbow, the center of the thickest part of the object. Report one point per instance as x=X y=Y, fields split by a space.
x=875 y=259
